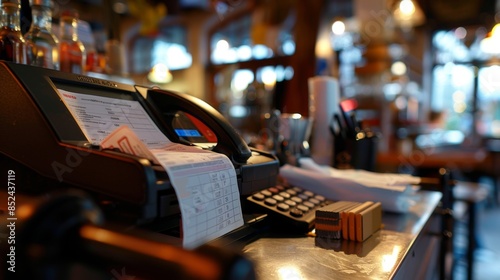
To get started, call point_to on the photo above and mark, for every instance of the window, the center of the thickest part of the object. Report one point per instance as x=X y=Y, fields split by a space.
x=168 y=48
x=465 y=86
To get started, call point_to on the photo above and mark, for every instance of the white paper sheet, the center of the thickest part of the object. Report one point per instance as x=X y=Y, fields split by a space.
x=205 y=182
x=394 y=191
x=98 y=116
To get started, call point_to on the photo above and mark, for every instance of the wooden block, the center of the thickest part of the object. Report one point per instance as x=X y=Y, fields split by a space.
x=352 y=218
x=344 y=219
x=368 y=221
x=328 y=220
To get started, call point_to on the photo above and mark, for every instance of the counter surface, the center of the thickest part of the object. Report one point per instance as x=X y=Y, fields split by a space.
x=381 y=256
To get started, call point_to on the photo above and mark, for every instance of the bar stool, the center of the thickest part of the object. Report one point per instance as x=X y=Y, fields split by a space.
x=471 y=194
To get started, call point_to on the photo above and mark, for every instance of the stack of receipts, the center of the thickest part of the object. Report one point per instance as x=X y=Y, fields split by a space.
x=205 y=182
x=394 y=191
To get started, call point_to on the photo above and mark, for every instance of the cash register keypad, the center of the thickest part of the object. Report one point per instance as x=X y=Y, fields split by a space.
x=291 y=205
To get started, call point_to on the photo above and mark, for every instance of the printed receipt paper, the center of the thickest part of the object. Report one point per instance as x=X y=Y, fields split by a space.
x=204 y=181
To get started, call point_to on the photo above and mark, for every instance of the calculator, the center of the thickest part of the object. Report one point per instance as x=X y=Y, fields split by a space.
x=291 y=206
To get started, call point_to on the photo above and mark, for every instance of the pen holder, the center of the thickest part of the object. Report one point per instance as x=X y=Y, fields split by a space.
x=358 y=151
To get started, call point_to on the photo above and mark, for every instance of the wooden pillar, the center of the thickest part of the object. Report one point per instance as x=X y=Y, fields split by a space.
x=304 y=60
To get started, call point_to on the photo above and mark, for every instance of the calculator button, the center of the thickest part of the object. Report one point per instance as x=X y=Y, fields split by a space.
x=278 y=198
x=309 y=193
x=308 y=204
x=296 y=199
x=320 y=198
x=291 y=203
x=314 y=200
x=269 y=201
x=283 y=207
x=273 y=190
x=291 y=192
x=297 y=189
x=296 y=213
x=303 y=196
x=281 y=188
x=259 y=196
x=303 y=208
x=285 y=194
x=266 y=193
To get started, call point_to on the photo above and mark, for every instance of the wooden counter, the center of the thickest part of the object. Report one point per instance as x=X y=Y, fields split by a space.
x=464 y=160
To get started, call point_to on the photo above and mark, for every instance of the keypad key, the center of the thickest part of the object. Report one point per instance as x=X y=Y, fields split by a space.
x=291 y=203
x=296 y=213
x=269 y=201
x=259 y=196
x=296 y=199
x=274 y=190
x=278 y=198
x=283 y=207
x=285 y=194
x=303 y=208
x=314 y=200
x=308 y=204
x=303 y=196
x=297 y=189
x=266 y=193
x=308 y=193
x=320 y=197
x=291 y=192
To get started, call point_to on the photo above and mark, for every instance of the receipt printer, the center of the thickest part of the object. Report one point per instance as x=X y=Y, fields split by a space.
x=48 y=148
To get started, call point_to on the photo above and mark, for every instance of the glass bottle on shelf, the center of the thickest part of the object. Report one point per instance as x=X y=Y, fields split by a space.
x=12 y=45
x=71 y=50
x=41 y=44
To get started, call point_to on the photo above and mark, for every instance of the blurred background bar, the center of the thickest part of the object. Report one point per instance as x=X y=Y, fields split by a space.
x=417 y=84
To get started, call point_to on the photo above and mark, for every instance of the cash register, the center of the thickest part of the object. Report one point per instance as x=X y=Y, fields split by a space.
x=44 y=142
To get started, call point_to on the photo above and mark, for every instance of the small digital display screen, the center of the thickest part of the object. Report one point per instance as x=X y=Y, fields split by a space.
x=188 y=133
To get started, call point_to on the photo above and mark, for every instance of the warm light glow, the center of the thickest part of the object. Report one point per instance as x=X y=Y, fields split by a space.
x=459 y=105
x=495 y=31
x=490 y=44
x=25 y=211
x=323 y=48
x=388 y=261
x=269 y=78
x=160 y=74
x=338 y=27
x=407 y=7
x=398 y=68
x=289 y=273
x=408 y=14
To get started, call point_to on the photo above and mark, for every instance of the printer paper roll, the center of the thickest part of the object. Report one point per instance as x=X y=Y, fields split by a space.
x=324 y=100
